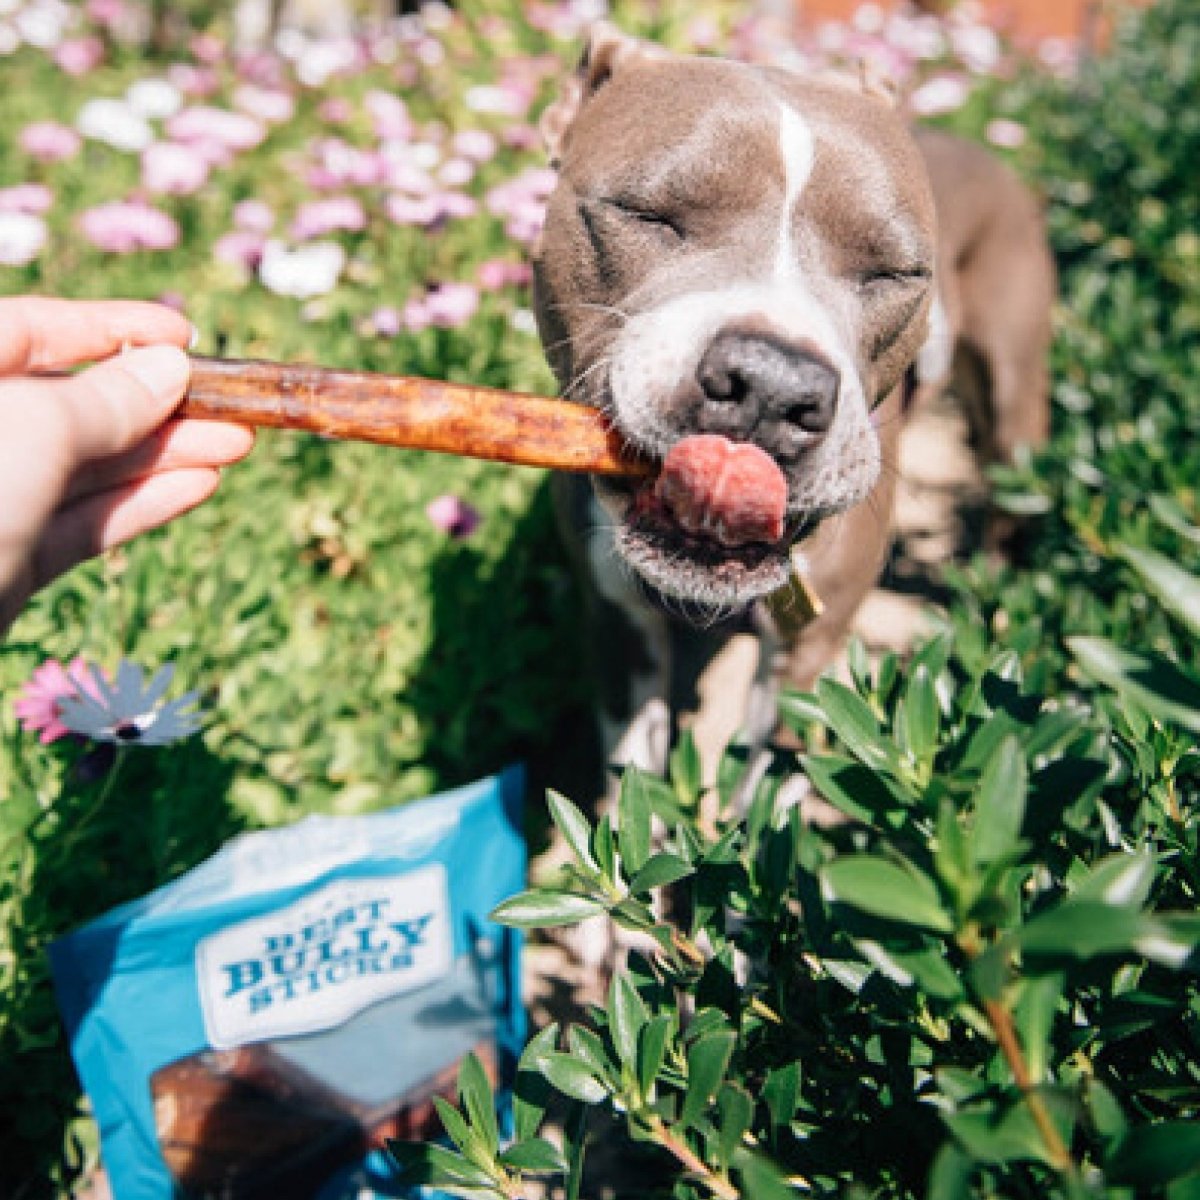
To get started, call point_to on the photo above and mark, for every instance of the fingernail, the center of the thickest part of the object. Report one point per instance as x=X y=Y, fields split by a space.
x=163 y=370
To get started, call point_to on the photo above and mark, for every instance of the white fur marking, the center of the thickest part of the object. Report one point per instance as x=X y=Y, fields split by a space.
x=797 y=149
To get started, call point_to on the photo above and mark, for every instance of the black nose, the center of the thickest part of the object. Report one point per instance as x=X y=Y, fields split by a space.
x=752 y=382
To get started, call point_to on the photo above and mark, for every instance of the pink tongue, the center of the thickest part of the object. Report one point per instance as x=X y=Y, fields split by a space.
x=731 y=491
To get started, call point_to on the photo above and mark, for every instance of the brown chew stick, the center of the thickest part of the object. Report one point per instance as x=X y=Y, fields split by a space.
x=419 y=414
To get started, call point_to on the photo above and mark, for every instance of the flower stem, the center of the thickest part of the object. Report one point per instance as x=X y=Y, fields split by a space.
x=718 y=1185
x=1005 y=1032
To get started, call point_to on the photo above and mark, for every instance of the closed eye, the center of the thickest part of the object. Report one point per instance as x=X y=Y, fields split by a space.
x=646 y=216
x=878 y=279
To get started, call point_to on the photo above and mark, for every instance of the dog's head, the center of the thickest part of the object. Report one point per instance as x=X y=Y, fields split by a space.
x=739 y=252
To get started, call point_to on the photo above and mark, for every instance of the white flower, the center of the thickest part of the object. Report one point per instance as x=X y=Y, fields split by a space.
x=114 y=123
x=22 y=236
x=44 y=24
x=311 y=270
x=942 y=94
x=10 y=39
x=154 y=98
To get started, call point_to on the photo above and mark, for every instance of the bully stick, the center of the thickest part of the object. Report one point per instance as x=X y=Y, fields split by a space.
x=420 y=414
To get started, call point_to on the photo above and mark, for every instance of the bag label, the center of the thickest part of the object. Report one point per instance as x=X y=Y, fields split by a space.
x=316 y=962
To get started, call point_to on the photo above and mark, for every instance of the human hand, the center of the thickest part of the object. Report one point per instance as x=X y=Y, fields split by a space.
x=90 y=460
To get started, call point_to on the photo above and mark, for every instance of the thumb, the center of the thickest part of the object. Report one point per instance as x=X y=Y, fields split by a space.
x=112 y=407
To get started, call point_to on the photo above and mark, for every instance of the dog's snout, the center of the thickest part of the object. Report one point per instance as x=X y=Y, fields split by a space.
x=750 y=380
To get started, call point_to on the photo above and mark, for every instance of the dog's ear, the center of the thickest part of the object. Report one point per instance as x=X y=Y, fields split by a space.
x=607 y=50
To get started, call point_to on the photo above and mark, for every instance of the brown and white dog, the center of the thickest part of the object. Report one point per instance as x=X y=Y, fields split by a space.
x=740 y=257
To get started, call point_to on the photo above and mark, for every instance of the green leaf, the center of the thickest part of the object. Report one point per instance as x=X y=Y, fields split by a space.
x=1013 y=1136
x=781 y=1093
x=735 y=1112
x=531 y=1092
x=886 y=889
x=685 y=770
x=659 y=871
x=850 y=717
x=587 y=1048
x=423 y=1163
x=1161 y=687
x=707 y=1059
x=572 y=1078
x=541 y=908
x=475 y=1094
x=574 y=827
x=1000 y=803
x=633 y=817
x=534 y=1156
x=460 y=1133
x=1083 y=929
x=1154 y=1155
x=652 y=1047
x=759 y=1178
x=1177 y=590
x=605 y=851
x=849 y=786
x=919 y=723
x=1034 y=1015
x=1124 y=880
x=626 y=1016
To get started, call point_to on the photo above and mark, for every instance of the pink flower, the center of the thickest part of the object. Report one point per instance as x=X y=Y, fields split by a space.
x=498 y=273
x=320 y=217
x=78 y=56
x=475 y=144
x=172 y=170
x=409 y=210
x=37 y=707
x=337 y=110
x=175 y=300
x=253 y=216
x=240 y=248
x=34 y=198
x=456 y=172
x=48 y=141
x=455 y=205
x=272 y=105
x=205 y=123
x=451 y=305
x=124 y=227
x=453 y=516
x=193 y=80
x=387 y=322
x=108 y=14
x=416 y=315
x=341 y=165
x=389 y=116
x=522 y=137
x=1005 y=133
x=208 y=49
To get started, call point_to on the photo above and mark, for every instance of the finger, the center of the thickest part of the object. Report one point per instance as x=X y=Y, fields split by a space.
x=44 y=334
x=112 y=518
x=107 y=409
x=177 y=444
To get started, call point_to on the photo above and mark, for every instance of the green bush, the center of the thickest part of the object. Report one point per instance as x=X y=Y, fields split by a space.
x=982 y=980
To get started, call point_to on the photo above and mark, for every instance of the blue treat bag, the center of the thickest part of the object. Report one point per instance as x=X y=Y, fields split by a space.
x=259 y=1027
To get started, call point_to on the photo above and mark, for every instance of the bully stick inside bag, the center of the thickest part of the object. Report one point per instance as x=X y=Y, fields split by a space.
x=259 y=1027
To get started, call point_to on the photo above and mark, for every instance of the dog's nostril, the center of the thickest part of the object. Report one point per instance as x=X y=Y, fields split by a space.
x=814 y=411
x=721 y=381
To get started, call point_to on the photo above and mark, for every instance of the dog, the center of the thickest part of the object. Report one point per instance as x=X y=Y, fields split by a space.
x=757 y=275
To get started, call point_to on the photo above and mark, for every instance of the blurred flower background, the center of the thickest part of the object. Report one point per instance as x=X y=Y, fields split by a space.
x=362 y=625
